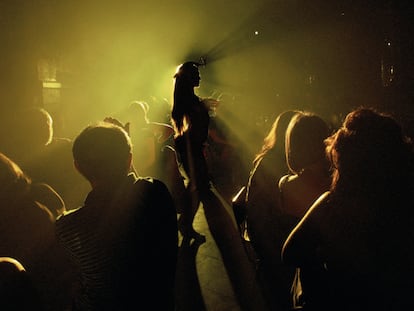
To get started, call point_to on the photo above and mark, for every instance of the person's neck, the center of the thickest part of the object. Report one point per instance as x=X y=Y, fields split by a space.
x=105 y=184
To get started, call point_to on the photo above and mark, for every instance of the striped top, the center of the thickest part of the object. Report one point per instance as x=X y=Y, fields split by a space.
x=124 y=241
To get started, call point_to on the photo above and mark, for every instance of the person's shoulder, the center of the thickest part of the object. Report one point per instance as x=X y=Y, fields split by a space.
x=322 y=201
x=149 y=181
x=60 y=142
x=153 y=188
x=320 y=208
x=68 y=216
x=144 y=182
x=286 y=181
x=60 y=147
x=145 y=132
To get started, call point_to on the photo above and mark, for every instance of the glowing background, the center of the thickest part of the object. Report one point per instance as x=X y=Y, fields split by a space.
x=265 y=56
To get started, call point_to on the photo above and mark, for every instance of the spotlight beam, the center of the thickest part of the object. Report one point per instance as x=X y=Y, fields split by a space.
x=237 y=41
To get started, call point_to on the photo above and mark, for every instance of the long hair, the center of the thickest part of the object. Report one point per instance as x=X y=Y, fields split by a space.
x=305 y=137
x=183 y=96
x=370 y=154
x=275 y=138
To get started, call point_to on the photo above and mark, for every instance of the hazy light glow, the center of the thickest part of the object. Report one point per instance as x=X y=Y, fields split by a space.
x=107 y=54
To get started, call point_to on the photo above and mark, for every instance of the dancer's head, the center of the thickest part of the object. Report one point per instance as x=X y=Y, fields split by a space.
x=188 y=72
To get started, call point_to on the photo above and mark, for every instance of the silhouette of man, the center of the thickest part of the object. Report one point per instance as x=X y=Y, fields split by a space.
x=124 y=238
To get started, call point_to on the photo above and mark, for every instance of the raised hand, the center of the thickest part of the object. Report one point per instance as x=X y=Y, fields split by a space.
x=118 y=123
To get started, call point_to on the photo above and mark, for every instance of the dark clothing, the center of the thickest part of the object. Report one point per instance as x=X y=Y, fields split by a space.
x=268 y=226
x=353 y=257
x=190 y=147
x=27 y=235
x=53 y=164
x=200 y=121
x=192 y=163
x=124 y=240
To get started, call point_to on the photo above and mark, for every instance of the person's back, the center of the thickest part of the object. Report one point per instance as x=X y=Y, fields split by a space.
x=124 y=238
x=370 y=212
x=26 y=225
x=365 y=253
x=27 y=234
x=310 y=172
x=357 y=235
x=299 y=192
x=305 y=153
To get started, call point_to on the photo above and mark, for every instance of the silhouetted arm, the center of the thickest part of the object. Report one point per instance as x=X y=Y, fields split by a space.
x=162 y=131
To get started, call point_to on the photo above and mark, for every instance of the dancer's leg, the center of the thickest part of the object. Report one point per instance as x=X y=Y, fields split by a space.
x=241 y=271
x=190 y=200
x=189 y=210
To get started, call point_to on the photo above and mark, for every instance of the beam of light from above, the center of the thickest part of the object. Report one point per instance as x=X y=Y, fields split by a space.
x=238 y=40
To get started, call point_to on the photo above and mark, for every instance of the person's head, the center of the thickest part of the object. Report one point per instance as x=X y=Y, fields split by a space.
x=275 y=138
x=305 y=137
x=38 y=125
x=13 y=181
x=138 y=112
x=188 y=73
x=17 y=291
x=102 y=153
x=186 y=78
x=26 y=129
x=368 y=150
x=9 y=265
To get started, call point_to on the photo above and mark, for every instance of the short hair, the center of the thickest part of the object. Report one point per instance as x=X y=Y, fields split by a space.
x=101 y=151
x=38 y=124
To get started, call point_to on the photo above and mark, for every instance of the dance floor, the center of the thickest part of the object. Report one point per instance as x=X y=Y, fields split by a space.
x=202 y=281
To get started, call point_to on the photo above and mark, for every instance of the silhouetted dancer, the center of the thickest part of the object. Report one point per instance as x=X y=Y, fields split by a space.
x=190 y=118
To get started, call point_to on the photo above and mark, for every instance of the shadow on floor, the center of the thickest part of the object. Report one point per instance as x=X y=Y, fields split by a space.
x=188 y=291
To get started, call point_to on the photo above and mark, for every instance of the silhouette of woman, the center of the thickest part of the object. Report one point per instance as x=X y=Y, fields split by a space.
x=190 y=119
x=358 y=232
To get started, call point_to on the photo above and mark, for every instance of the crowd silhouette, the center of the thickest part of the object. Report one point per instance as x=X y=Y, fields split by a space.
x=104 y=220
x=352 y=246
